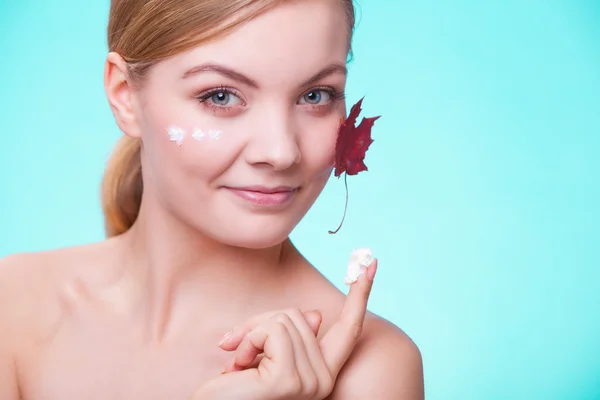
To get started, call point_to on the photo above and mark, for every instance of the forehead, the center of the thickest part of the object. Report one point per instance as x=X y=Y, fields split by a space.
x=293 y=39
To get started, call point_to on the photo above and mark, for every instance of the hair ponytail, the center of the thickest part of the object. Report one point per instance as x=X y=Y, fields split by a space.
x=122 y=187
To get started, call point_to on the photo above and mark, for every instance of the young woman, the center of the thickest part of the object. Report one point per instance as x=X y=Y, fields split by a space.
x=230 y=111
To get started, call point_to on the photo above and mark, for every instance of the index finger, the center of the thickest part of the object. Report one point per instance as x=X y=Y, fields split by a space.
x=338 y=343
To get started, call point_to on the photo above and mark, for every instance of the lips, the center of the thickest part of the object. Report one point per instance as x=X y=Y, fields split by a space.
x=265 y=196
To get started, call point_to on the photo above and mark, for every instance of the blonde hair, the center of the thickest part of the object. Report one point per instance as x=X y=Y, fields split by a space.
x=144 y=32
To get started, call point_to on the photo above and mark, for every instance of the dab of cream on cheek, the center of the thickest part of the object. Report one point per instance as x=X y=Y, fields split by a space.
x=213 y=134
x=178 y=134
x=360 y=261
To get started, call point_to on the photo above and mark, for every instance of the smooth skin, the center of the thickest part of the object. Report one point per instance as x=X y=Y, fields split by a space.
x=143 y=315
x=66 y=340
x=294 y=363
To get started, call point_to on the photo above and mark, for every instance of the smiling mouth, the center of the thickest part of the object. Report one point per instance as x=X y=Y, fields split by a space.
x=275 y=197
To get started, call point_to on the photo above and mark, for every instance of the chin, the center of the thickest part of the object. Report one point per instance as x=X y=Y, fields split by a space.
x=246 y=231
x=242 y=227
x=254 y=238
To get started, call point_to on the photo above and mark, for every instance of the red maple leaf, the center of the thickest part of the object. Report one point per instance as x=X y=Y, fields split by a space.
x=351 y=147
x=353 y=142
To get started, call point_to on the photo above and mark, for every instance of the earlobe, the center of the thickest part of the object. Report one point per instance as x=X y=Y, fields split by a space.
x=120 y=95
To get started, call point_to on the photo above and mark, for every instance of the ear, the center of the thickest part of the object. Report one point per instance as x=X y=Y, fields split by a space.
x=120 y=95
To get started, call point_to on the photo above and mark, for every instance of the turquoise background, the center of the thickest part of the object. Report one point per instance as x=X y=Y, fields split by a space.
x=482 y=199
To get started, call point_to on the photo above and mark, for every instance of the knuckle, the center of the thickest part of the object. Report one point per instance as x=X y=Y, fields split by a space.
x=282 y=318
x=294 y=312
x=357 y=329
x=311 y=386
x=291 y=385
x=279 y=329
x=295 y=384
x=326 y=385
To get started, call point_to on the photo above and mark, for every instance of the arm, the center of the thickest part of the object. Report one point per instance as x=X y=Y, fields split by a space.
x=8 y=381
x=9 y=389
x=385 y=365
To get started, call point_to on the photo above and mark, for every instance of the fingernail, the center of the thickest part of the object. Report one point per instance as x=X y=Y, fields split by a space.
x=227 y=335
x=371 y=270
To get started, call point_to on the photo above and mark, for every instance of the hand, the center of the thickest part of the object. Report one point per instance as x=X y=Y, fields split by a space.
x=294 y=364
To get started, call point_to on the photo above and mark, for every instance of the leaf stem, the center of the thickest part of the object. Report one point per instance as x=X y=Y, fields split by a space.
x=345 y=206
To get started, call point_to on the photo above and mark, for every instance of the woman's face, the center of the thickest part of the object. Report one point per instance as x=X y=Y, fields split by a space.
x=239 y=134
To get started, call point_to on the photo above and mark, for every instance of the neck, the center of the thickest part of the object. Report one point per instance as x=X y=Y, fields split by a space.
x=169 y=264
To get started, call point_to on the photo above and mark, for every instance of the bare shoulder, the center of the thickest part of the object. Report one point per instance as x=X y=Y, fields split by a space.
x=12 y=308
x=34 y=285
x=386 y=364
x=28 y=310
x=26 y=287
x=21 y=277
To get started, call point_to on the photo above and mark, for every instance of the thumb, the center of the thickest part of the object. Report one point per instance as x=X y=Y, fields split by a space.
x=314 y=319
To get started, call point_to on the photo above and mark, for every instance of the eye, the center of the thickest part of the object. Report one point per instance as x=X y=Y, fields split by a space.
x=219 y=98
x=223 y=98
x=315 y=97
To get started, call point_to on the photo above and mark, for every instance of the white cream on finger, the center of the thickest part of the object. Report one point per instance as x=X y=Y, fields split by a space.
x=360 y=260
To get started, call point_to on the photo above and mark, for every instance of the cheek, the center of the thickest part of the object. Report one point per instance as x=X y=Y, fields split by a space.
x=317 y=145
x=180 y=146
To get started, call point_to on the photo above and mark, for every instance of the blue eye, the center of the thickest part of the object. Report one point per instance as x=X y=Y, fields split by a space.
x=222 y=101
x=221 y=98
x=315 y=97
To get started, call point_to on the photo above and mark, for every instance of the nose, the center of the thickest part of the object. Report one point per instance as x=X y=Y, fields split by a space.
x=274 y=141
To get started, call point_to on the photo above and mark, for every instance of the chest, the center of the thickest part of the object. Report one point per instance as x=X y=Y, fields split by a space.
x=116 y=365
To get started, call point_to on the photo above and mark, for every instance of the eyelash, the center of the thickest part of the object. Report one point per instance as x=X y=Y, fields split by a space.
x=204 y=97
x=334 y=96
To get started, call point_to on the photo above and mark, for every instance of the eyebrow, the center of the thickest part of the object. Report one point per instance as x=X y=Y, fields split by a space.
x=221 y=70
x=333 y=68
